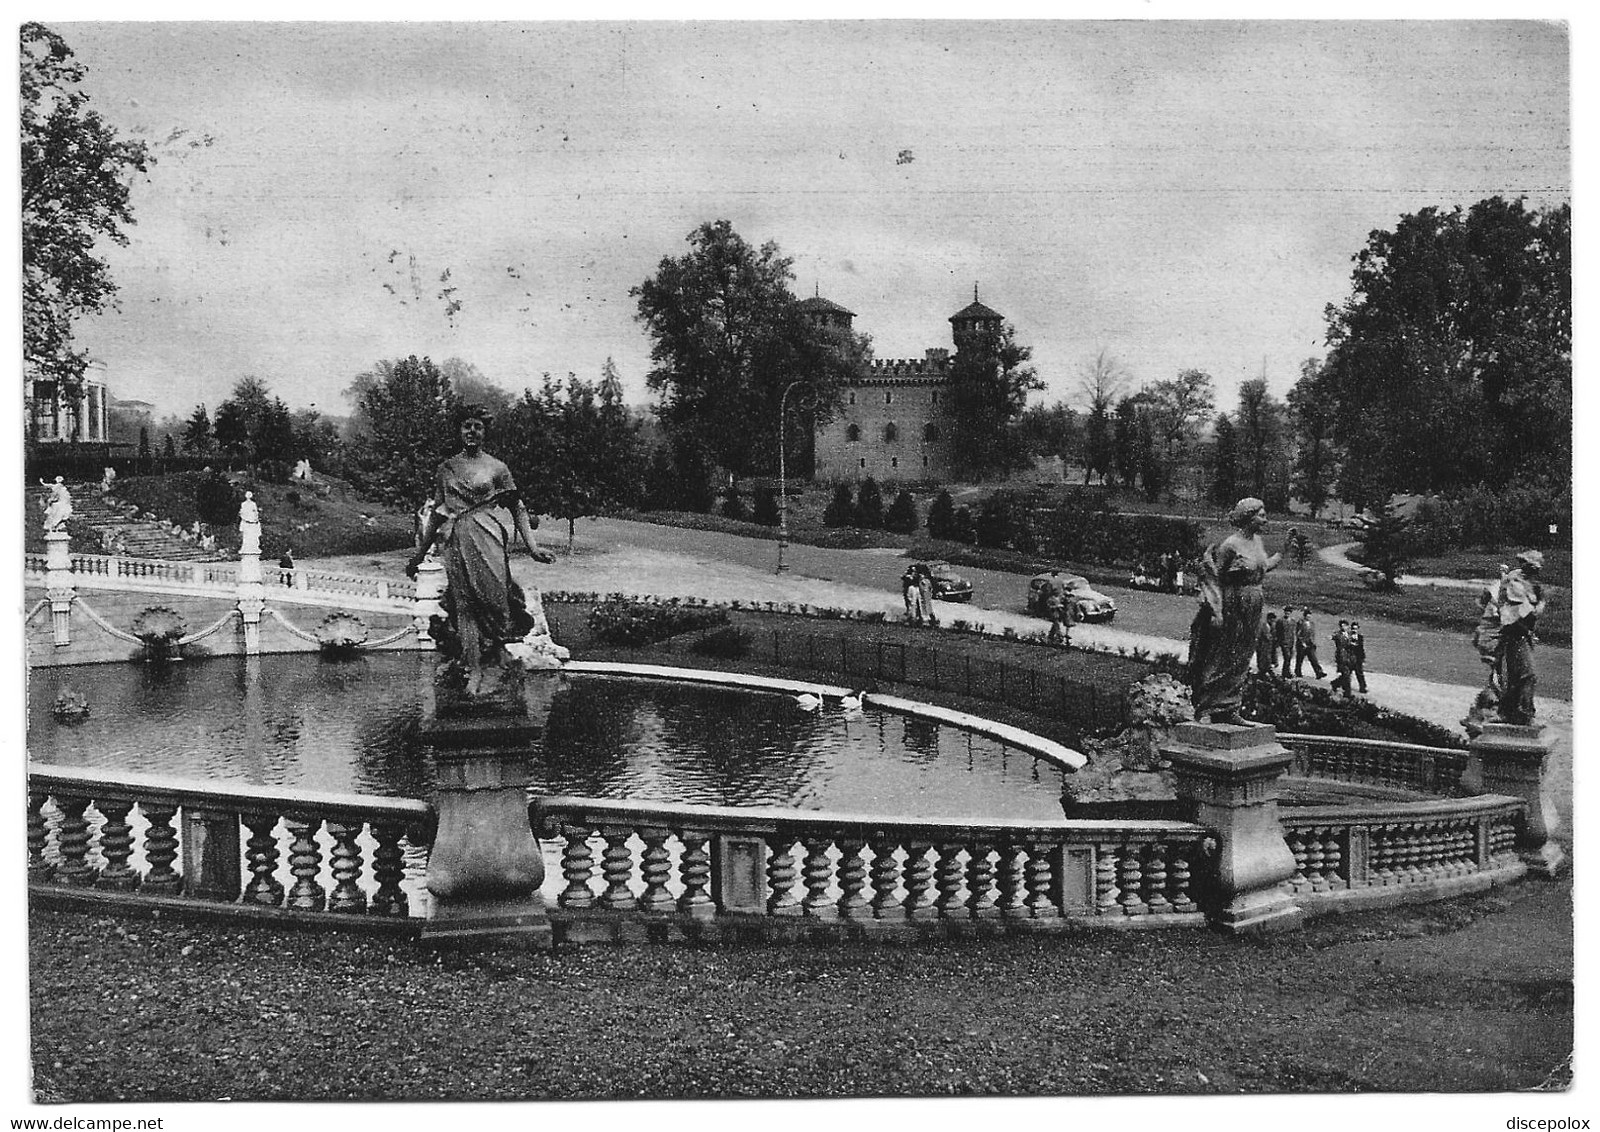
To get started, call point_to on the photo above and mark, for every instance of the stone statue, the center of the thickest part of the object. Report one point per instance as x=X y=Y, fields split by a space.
x=478 y=514
x=302 y=470
x=1521 y=602
x=249 y=525
x=1222 y=637
x=108 y=480
x=58 y=508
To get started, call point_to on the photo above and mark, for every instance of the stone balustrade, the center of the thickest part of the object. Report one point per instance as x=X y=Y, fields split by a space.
x=1375 y=762
x=112 y=838
x=635 y=871
x=1362 y=855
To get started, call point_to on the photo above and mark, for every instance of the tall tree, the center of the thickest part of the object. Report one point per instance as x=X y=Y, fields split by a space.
x=1450 y=363
x=1126 y=437
x=727 y=340
x=990 y=380
x=401 y=428
x=1315 y=458
x=1179 y=409
x=197 y=432
x=1102 y=380
x=1050 y=430
x=75 y=188
x=1224 y=462
x=1263 y=444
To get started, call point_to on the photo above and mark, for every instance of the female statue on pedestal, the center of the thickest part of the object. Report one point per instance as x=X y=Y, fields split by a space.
x=1222 y=637
x=477 y=515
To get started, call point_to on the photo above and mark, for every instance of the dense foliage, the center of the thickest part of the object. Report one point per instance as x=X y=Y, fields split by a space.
x=75 y=189
x=632 y=623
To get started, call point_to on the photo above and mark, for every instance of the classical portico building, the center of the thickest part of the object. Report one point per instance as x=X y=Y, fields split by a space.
x=893 y=421
x=53 y=419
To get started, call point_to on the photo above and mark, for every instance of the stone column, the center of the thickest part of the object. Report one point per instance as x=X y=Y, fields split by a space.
x=485 y=867
x=252 y=599
x=1227 y=778
x=430 y=588
x=58 y=584
x=1511 y=759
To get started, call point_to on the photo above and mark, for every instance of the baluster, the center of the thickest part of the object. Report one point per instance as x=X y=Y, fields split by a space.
x=160 y=849
x=1313 y=870
x=261 y=858
x=1297 y=846
x=1130 y=880
x=781 y=874
x=346 y=867
x=38 y=837
x=388 y=869
x=1013 y=881
x=1332 y=859
x=305 y=862
x=1105 y=879
x=617 y=866
x=577 y=865
x=947 y=879
x=1381 y=855
x=1155 y=881
x=919 y=882
x=73 y=840
x=1182 y=900
x=1038 y=878
x=885 y=879
x=695 y=867
x=816 y=873
x=981 y=903
x=116 y=846
x=854 y=904
x=1413 y=855
x=657 y=870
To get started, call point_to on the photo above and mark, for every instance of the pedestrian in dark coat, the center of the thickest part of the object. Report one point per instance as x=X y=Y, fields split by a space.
x=1282 y=636
x=1266 y=645
x=1341 y=658
x=1358 y=656
x=1305 y=645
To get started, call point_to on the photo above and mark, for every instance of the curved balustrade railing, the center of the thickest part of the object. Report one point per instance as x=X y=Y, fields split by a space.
x=710 y=864
x=104 y=571
x=614 y=868
x=1340 y=851
x=1375 y=762
x=293 y=852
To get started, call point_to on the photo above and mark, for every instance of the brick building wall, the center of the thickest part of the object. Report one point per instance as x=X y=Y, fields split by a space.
x=891 y=425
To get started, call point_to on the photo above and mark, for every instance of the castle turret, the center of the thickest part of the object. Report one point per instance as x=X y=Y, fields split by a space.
x=974 y=323
x=821 y=312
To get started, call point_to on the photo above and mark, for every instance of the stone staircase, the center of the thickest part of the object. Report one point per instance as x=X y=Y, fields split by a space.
x=101 y=516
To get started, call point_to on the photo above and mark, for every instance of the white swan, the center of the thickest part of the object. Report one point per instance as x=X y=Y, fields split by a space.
x=808 y=701
x=852 y=701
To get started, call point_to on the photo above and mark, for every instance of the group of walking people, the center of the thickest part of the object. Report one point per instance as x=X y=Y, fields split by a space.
x=1291 y=641
x=916 y=586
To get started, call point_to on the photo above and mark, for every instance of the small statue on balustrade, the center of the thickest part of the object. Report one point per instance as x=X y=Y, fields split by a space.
x=249 y=525
x=58 y=507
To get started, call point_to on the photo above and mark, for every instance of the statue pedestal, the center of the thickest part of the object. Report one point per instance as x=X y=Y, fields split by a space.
x=59 y=587
x=486 y=867
x=1227 y=776
x=1512 y=759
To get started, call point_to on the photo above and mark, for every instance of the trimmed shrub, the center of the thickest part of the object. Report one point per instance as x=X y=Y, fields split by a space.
x=869 y=505
x=765 y=507
x=733 y=503
x=621 y=622
x=216 y=501
x=841 y=511
x=726 y=643
x=902 y=516
x=942 y=517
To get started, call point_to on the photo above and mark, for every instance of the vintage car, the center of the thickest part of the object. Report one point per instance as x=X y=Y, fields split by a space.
x=1088 y=603
x=947 y=584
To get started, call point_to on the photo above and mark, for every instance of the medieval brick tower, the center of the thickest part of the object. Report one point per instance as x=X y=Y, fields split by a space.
x=893 y=421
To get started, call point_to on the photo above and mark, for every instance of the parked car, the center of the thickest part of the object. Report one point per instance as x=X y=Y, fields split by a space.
x=1089 y=603
x=947 y=584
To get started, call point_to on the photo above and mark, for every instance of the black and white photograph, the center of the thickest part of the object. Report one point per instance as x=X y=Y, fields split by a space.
x=676 y=558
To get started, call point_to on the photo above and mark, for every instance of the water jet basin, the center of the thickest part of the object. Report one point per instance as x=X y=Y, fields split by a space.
x=351 y=726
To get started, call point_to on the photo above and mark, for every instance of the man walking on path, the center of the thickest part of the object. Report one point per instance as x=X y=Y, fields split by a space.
x=925 y=592
x=1282 y=634
x=1358 y=656
x=1267 y=645
x=1341 y=659
x=912 y=595
x=1305 y=645
x=1055 y=601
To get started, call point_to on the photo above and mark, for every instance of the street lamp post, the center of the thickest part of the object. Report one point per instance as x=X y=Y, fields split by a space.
x=783 y=482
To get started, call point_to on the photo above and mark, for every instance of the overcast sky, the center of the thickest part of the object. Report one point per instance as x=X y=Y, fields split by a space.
x=1185 y=194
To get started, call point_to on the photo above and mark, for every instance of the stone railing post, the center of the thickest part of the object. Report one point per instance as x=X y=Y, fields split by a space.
x=1228 y=778
x=430 y=588
x=252 y=592
x=1511 y=759
x=58 y=584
